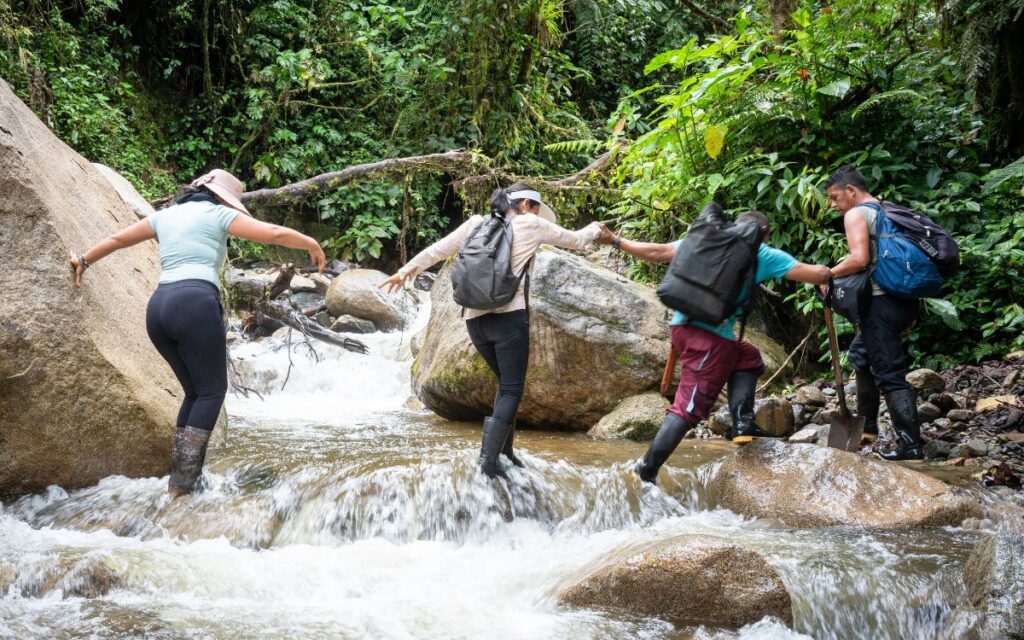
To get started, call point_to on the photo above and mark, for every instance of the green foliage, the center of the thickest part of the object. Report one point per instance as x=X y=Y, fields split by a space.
x=846 y=85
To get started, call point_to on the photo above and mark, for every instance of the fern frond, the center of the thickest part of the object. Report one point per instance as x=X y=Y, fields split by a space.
x=576 y=146
x=896 y=95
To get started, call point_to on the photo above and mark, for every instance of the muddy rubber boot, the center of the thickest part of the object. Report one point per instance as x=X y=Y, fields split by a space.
x=868 y=401
x=187 y=456
x=903 y=412
x=742 y=386
x=494 y=437
x=507 y=449
x=672 y=430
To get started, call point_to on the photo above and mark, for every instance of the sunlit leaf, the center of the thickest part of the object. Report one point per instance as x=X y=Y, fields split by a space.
x=837 y=88
x=714 y=140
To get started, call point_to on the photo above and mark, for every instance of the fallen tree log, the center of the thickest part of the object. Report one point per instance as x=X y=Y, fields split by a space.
x=282 y=312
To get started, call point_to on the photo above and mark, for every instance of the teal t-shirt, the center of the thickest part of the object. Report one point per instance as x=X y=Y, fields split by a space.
x=771 y=263
x=193 y=240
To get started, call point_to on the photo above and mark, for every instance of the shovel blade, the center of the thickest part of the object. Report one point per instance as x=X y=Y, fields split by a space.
x=846 y=432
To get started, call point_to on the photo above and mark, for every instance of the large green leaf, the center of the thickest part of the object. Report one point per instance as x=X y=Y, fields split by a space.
x=836 y=88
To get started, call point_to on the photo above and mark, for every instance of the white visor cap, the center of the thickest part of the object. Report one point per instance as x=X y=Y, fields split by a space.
x=545 y=211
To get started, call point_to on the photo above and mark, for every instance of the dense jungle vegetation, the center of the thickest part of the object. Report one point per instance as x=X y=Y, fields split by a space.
x=749 y=103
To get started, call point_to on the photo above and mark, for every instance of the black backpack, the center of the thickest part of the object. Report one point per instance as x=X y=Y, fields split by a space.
x=934 y=241
x=482 y=277
x=714 y=262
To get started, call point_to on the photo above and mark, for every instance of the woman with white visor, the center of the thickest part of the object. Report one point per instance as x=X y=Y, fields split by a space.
x=502 y=335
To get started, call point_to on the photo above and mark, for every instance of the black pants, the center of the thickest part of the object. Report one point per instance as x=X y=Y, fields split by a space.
x=503 y=339
x=185 y=321
x=878 y=349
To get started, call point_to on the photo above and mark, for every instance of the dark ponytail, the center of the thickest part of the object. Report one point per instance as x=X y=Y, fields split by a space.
x=500 y=203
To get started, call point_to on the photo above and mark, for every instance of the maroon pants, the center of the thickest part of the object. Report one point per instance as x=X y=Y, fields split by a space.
x=707 y=360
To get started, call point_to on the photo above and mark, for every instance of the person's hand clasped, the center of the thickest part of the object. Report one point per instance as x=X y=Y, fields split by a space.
x=77 y=269
x=393 y=283
x=607 y=236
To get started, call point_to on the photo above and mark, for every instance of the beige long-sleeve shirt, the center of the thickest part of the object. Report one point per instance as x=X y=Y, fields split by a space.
x=528 y=232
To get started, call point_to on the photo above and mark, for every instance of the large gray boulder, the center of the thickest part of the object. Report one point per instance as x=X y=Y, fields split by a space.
x=83 y=393
x=805 y=485
x=126 y=190
x=595 y=339
x=994 y=576
x=637 y=418
x=355 y=293
x=692 y=579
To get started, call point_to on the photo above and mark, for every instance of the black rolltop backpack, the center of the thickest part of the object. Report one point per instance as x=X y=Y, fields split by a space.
x=716 y=259
x=483 y=277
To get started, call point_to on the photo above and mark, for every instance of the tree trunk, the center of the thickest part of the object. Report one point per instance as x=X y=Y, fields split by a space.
x=782 y=16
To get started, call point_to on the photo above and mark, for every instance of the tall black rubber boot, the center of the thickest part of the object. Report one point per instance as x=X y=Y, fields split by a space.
x=672 y=430
x=494 y=437
x=188 y=453
x=742 y=387
x=507 y=449
x=903 y=411
x=868 y=400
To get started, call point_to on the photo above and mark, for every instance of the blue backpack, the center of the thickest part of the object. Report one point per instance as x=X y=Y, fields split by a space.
x=901 y=268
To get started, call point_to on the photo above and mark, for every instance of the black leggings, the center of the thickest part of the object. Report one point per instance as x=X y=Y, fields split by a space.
x=185 y=321
x=878 y=350
x=503 y=339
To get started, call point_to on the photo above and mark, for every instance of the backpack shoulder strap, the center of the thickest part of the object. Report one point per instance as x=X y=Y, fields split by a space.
x=748 y=304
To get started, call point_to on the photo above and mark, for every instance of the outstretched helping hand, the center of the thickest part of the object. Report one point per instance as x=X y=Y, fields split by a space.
x=395 y=282
x=607 y=236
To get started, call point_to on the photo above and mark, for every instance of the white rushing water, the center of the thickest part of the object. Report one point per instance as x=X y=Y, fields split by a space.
x=335 y=512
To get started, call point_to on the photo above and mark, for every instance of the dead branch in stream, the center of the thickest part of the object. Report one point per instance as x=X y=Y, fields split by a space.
x=283 y=313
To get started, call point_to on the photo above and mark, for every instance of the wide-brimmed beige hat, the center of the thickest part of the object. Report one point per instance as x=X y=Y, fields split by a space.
x=225 y=186
x=545 y=211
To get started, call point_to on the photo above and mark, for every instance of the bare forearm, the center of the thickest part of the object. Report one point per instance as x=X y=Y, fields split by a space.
x=650 y=251
x=292 y=239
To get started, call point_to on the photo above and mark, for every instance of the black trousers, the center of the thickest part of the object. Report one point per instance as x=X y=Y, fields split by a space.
x=185 y=321
x=503 y=339
x=878 y=349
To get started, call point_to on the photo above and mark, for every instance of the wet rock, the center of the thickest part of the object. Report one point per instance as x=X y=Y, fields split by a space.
x=810 y=486
x=811 y=396
x=994 y=577
x=595 y=340
x=960 y=415
x=692 y=579
x=807 y=435
x=324 y=319
x=637 y=418
x=927 y=412
x=942 y=423
x=829 y=392
x=720 y=422
x=774 y=415
x=129 y=194
x=84 y=393
x=937 y=449
x=321 y=282
x=801 y=415
x=302 y=284
x=352 y=324
x=926 y=381
x=976 y=448
x=84 y=577
x=309 y=303
x=944 y=401
x=355 y=292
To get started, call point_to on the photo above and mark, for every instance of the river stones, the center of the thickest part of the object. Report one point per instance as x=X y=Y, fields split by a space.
x=83 y=393
x=805 y=485
x=994 y=577
x=595 y=340
x=637 y=417
x=355 y=293
x=691 y=579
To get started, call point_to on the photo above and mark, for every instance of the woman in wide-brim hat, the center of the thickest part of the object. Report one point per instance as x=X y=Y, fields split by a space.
x=185 y=319
x=502 y=335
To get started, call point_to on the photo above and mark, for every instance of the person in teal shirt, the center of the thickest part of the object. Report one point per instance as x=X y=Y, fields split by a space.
x=710 y=356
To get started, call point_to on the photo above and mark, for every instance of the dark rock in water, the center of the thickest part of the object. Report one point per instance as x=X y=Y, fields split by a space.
x=806 y=485
x=85 y=395
x=937 y=449
x=425 y=281
x=338 y=266
x=352 y=324
x=691 y=579
x=309 y=302
x=324 y=319
x=801 y=416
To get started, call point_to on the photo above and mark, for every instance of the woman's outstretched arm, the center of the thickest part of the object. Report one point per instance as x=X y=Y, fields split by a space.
x=127 y=237
x=250 y=228
x=444 y=248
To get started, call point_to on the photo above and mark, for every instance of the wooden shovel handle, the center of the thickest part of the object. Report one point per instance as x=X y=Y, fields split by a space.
x=669 y=373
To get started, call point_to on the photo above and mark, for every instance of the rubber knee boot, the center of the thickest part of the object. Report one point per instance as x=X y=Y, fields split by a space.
x=903 y=411
x=742 y=386
x=507 y=449
x=494 y=438
x=672 y=430
x=867 y=403
x=187 y=456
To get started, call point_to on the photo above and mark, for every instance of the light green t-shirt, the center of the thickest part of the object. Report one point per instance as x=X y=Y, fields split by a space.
x=193 y=240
